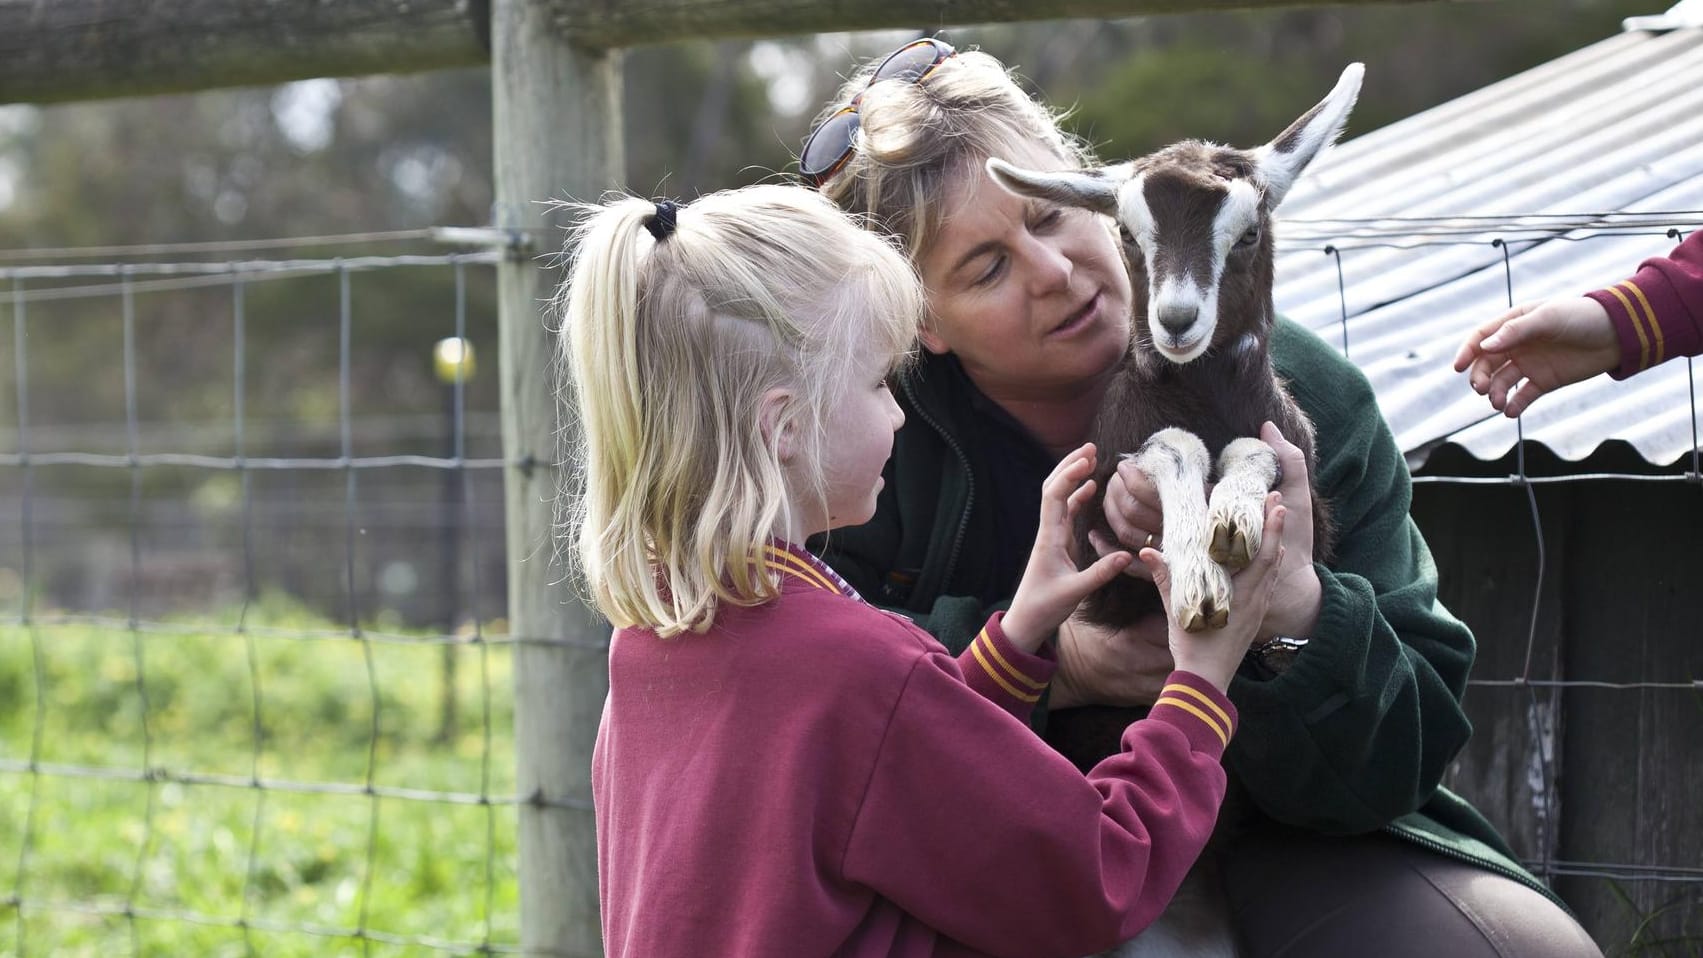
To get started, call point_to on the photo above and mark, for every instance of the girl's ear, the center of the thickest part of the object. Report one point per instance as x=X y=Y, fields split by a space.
x=780 y=430
x=932 y=342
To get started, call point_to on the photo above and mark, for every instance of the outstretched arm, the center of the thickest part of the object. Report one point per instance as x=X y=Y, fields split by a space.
x=1640 y=322
x=1536 y=348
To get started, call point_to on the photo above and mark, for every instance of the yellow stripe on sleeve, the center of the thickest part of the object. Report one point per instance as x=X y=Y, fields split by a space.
x=975 y=650
x=1202 y=697
x=987 y=642
x=1223 y=736
x=1649 y=317
x=1637 y=327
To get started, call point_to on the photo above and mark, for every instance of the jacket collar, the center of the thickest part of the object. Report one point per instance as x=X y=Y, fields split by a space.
x=798 y=566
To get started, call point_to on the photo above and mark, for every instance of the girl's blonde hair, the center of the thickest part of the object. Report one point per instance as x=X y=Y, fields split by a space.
x=914 y=137
x=669 y=344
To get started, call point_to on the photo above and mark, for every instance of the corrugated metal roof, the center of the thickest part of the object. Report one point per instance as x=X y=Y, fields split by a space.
x=1580 y=167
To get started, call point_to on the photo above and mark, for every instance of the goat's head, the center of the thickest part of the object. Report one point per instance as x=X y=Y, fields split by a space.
x=1195 y=219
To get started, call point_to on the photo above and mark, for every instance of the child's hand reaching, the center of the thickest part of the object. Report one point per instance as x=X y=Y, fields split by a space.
x=1052 y=586
x=1215 y=653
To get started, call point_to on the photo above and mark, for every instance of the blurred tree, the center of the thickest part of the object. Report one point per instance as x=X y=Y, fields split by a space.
x=389 y=153
x=1239 y=77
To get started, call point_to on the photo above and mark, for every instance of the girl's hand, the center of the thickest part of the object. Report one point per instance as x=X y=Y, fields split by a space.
x=1052 y=586
x=1214 y=654
x=1532 y=349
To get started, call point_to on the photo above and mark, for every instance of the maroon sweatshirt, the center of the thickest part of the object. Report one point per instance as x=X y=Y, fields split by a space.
x=814 y=776
x=1658 y=313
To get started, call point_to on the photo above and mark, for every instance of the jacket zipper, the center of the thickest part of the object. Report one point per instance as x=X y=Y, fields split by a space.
x=969 y=480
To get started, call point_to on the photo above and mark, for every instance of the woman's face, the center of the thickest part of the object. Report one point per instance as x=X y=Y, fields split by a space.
x=1032 y=298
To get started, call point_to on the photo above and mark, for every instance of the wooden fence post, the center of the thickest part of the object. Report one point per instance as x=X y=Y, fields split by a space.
x=557 y=124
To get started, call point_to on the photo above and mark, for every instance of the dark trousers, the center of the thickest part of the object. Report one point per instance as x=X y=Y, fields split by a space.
x=1298 y=895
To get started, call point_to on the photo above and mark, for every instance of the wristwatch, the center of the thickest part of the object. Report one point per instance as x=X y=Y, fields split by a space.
x=1275 y=655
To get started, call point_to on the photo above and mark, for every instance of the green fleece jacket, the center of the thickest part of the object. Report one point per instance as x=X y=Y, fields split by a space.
x=1356 y=736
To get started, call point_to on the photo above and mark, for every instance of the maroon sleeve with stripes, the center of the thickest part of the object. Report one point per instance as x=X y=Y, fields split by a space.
x=1658 y=312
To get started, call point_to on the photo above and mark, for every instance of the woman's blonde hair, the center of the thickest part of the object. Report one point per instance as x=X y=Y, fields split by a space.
x=914 y=137
x=669 y=345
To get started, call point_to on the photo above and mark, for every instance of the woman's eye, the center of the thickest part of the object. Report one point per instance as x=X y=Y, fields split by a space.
x=992 y=273
x=1251 y=237
x=1048 y=219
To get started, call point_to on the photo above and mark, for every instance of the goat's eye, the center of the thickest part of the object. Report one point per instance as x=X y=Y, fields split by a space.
x=1125 y=235
x=1251 y=237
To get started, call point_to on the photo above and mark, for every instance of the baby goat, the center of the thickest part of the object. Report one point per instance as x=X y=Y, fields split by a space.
x=1196 y=225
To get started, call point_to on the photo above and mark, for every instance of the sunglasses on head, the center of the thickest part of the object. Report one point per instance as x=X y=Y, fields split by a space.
x=828 y=146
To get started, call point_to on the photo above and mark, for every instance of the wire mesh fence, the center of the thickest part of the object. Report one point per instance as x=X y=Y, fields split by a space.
x=1593 y=718
x=310 y=749
x=249 y=778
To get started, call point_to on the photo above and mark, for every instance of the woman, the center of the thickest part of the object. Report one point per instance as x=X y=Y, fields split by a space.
x=1352 y=710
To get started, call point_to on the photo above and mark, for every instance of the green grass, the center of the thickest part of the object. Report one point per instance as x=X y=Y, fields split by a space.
x=107 y=865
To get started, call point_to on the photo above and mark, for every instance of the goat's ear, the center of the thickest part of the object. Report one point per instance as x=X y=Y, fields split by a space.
x=1087 y=189
x=1282 y=160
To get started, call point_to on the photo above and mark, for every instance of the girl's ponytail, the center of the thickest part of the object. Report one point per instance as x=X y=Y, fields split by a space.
x=599 y=306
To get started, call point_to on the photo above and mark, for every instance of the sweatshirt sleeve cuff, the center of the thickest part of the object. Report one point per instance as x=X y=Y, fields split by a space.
x=1629 y=306
x=1002 y=673
x=1198 y=709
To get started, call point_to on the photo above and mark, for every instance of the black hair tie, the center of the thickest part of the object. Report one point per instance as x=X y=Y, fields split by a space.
x=663 y=224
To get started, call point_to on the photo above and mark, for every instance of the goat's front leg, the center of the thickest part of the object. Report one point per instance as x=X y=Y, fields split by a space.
x=1177 y=462
x=1247 y=470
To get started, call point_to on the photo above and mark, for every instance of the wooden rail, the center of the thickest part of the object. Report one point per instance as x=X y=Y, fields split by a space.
x=61 y=50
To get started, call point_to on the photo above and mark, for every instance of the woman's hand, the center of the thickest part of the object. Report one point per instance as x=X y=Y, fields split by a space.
x=1052 y=586
x=1099 y=665
x=1295 y=603
x=1133 y=511
x=1214 y=654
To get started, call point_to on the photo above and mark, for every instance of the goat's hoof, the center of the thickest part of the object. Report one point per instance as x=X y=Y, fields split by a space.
x=1207 y=616
x=1230 y=547
x=1200 y=594
x=1238 y=526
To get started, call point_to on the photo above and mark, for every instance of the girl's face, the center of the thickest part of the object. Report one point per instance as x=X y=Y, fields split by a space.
x=1032 y=298
x=858 y=440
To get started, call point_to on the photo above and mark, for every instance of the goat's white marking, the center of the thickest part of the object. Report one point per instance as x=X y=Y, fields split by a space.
x=1135 y=216
x=1238 y=212
x=1178 y=463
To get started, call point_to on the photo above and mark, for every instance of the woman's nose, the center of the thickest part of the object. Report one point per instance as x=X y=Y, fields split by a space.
x=1050 y=268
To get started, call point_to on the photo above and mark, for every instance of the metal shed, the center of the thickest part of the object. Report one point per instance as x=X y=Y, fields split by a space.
x=1557 y=180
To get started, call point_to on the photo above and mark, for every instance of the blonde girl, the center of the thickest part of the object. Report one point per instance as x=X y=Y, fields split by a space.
x=783 y=769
